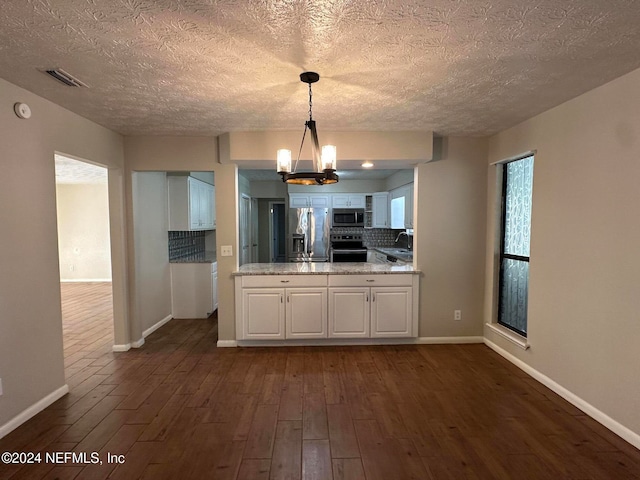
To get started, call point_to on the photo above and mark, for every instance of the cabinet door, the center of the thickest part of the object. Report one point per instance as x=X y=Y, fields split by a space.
x=391 y=311
x=306 y=315
x=319 y=201
x=408 y=206
x=213 y=207
x=340 y=201
x=357 y=201
x=263 y=313
x=298 y=201
x=206 y=218
x=349 y=312
x=194 y=204
x=380 y=210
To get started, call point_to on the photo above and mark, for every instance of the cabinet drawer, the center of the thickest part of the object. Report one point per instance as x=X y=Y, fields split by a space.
x=284 y=281
x=381 y=280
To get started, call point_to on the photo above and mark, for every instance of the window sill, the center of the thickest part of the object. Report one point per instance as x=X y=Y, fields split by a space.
x=513 y=337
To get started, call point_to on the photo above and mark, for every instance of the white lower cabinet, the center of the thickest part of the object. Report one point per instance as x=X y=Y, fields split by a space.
x=280 y=307
x=349 y=312
x=263 y=313
x=377 y=312
x=290 y=307
x=306 y=313
x=391 y=312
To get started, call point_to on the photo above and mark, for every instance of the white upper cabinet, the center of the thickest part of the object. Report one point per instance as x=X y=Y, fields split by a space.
x=380 y=210
x=348 y=200
x=191 y=204
x=302 y=200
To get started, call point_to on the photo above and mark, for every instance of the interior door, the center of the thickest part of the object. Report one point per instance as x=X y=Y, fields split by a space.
x=254 y=230
x=245 y=229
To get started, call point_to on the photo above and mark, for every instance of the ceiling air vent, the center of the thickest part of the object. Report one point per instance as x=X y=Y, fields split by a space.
x=65 y=77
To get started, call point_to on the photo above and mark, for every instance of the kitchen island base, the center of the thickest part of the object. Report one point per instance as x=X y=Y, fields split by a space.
x=323 y=304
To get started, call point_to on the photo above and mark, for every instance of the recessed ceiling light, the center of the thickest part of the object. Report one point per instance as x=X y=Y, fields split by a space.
x=367 y=164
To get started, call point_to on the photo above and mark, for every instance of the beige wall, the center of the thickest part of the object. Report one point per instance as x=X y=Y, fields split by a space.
x=391 y=149
x=449 y=241
x=193 y=154
x=583 y=324
x=31 y=359
x=83 y=232
x=401 y=177
x=152 y=288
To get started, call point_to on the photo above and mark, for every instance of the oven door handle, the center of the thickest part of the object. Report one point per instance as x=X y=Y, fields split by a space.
x=350 y=250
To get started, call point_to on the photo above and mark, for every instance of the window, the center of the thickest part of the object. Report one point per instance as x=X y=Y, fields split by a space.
x=517 y=185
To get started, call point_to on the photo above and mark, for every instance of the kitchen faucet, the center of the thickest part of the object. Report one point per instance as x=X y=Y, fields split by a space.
x=408 y=239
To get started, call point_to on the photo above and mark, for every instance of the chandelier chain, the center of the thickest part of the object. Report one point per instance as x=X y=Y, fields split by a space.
x=310 y=103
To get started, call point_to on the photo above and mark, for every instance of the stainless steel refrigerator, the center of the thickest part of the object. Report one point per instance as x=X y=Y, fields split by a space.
x=308 y=235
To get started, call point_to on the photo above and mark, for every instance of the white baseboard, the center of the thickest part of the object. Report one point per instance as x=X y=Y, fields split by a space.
x=138 y=343
x=155 y=327
x=353 y=341
x=447 y=340
x=33 y=410
x=86 y=280
x=630 y=436
x=226 y=344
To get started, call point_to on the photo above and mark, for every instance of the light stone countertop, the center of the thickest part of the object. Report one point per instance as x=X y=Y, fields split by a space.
x=322 y=268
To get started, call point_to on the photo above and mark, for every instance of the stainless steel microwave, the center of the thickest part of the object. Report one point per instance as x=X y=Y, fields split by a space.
x=347 y=217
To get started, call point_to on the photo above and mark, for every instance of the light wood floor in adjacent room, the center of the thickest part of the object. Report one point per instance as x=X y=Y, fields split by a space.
x=181 y=408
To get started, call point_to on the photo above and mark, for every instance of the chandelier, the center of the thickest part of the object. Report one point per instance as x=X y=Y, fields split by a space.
x=324 y=161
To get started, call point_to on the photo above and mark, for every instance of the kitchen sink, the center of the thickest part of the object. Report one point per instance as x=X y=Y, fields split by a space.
x=399 y=253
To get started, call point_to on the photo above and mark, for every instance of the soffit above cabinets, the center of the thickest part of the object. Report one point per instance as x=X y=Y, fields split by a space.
x=203 y=67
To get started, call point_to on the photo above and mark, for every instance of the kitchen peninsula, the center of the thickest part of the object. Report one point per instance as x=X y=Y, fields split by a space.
x=321 y=303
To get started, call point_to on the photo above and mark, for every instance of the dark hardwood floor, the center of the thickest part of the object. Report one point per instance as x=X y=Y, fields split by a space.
x=181 y=408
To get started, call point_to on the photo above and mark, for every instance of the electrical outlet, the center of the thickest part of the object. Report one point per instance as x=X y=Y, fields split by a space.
x=72 y=268
x=457 y=314
x=226 y=250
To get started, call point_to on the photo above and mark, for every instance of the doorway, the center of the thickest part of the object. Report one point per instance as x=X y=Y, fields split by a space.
x=277 y=225
x=84 y=252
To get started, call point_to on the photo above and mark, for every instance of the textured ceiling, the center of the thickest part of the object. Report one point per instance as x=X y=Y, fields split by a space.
x=203 y=67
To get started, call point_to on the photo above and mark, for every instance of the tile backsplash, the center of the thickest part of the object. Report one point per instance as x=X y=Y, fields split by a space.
x=375 y=237
x=182 y=244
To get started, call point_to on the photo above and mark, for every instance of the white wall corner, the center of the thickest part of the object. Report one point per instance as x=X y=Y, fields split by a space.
x=33 y=410
x=138 y=343
x=625 y=433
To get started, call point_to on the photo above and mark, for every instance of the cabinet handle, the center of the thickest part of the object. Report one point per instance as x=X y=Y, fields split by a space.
x=374 y=296
x=370 y=280
x=367 y=298
x=288 y=298
x=284 y=281
x=281 y=300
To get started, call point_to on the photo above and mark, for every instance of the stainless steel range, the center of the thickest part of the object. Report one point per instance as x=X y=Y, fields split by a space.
x=347 y=247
